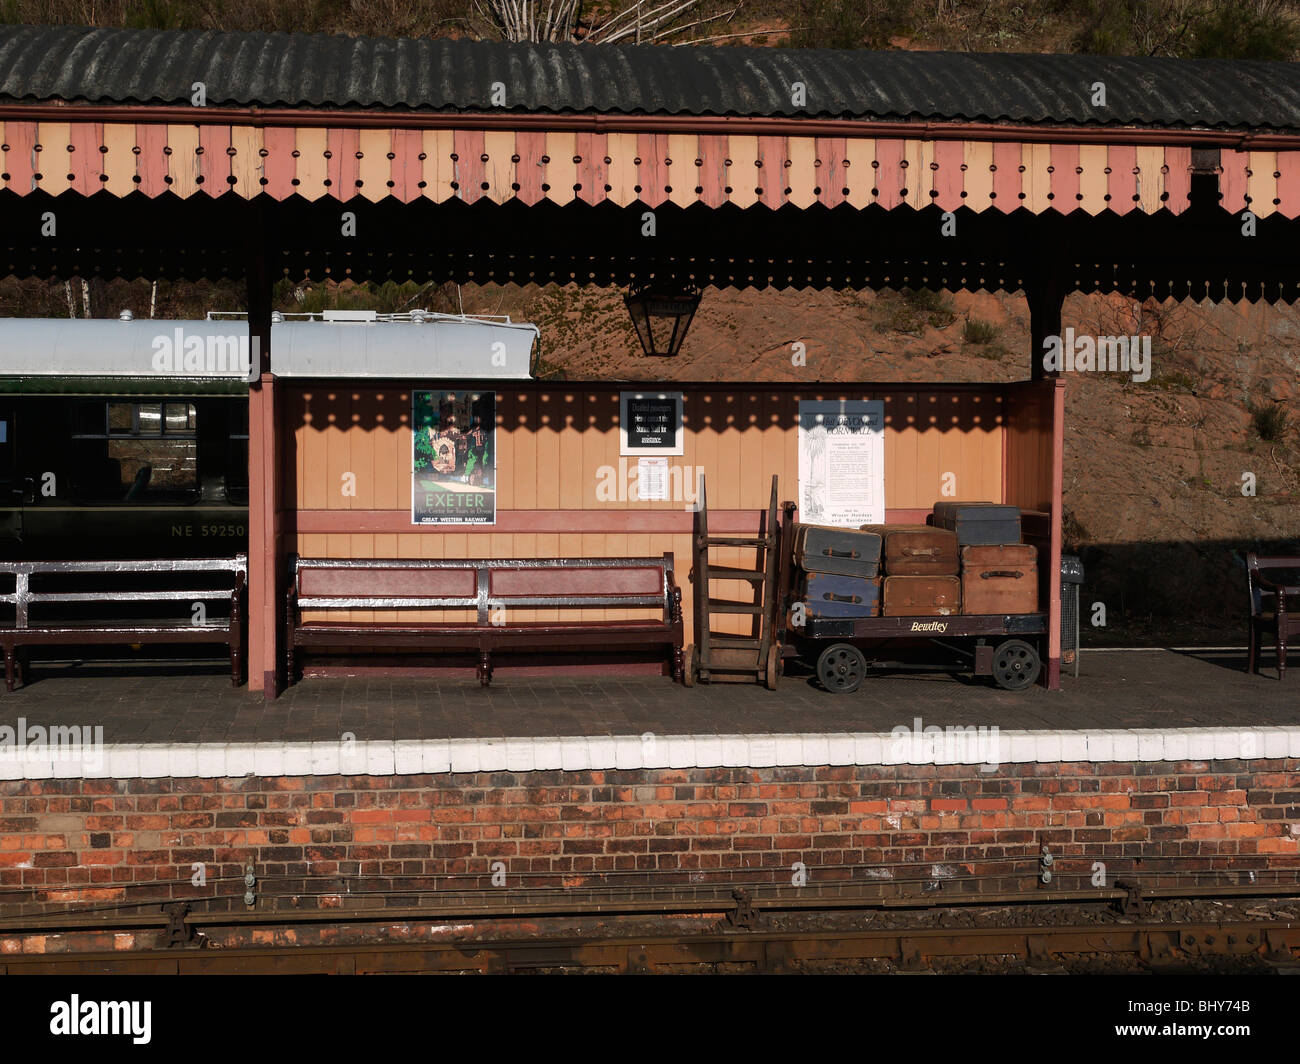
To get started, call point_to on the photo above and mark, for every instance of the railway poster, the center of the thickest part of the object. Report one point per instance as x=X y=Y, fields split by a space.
x=842 y=462
x=453 y=461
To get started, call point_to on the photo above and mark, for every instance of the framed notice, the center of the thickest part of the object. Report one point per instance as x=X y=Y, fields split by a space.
x=649 y=423
x=453 y=458
x=842 y=462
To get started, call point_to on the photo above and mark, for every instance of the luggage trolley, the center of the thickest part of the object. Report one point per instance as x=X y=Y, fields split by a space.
x=1006 y=647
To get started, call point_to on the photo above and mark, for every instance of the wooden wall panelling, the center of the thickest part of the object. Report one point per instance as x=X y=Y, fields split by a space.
x=343 y=168
x=246 y=165
x=1122 y=183
x=53 y=159
x=948 y=175
x=375 y=169
x=1150 y=161
x=1065 y=177
x=119 y=157
x=1178 y=177
x=312 y=166
x=1094 y=181
x=561 y=170
x=978 y=176
x=622 y=151
x=439 y=167
x=471 y=172
x=86 y=163
x=742 y=174
x=1261 y=185
x=499 y=170
x=860 y=175
x=652 y=172
x=683 y=174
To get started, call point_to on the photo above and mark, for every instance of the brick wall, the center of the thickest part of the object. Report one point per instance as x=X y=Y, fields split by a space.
x=894 y=825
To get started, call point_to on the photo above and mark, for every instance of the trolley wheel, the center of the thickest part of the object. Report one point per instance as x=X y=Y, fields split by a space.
x=1015 y=665
x=773 y=666
x=841 y=668
x=692 y=666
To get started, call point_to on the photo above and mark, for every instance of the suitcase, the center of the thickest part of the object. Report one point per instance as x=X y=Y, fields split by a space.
x=922 y=596
x=831 y=595
x=846 y=551
x=1002 y=579
x=918 y=550
x=978 y=523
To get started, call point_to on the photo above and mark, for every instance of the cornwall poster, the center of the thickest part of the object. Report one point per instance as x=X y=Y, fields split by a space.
x=453 y=464
x=842 y=462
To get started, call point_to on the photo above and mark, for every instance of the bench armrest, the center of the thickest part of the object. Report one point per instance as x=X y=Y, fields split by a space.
x=674 y=605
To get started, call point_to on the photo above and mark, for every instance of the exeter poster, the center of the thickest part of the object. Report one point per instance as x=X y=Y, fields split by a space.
x=842 y=462
x=453 y=464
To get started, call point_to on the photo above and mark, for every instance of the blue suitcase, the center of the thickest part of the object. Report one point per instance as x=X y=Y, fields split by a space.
x=832 y=595
x=843 y=551
x=978 y=524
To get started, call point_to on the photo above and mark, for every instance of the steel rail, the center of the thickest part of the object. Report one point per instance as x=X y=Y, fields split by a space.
x=913 y=949
x=661 y=901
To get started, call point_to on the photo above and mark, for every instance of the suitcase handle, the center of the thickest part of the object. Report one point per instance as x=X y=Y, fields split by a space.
x=841 y=598
x=990 y=574
x=912 y=552
x=829 y=553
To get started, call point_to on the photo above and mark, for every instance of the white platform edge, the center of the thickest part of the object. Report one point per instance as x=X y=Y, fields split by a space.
x=649 y=751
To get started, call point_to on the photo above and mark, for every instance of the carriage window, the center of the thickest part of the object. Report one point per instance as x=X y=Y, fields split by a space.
x=237 y=456
x=135 y=452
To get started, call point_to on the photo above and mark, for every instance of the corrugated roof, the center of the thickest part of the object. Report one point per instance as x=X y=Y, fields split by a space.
x=296 y=70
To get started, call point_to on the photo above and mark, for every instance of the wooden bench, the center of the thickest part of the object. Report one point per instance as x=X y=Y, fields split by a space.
x=493 y=589
x=105 y=587
x=1281 y=621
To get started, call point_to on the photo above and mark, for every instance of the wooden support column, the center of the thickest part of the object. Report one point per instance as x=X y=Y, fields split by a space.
x=1046 y=296
x=264 y=488
x=1053 y=663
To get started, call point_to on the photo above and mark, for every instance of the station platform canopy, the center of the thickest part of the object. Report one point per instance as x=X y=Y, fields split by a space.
x=515 y=163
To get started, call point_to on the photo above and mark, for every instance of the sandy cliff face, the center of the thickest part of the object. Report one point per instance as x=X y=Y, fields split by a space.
x=1154 y=470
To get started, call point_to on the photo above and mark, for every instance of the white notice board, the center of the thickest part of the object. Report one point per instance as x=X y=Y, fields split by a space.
x=842 y=462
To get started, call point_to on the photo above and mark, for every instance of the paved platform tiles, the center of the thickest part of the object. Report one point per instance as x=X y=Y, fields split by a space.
x=178 y=721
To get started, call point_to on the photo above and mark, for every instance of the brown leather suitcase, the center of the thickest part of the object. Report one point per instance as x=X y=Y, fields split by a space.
x=917 y=550
x=922 y=596
x=1001 y=579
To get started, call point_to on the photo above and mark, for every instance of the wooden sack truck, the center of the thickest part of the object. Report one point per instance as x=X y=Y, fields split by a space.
x=93 y=602
x=492 y=588
x=1007 y=647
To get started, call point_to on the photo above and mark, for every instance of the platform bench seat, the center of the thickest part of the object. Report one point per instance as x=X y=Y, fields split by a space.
x=119 y=603
x=494 y=588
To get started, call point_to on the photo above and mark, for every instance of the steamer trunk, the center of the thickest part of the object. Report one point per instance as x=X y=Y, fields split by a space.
x=1001 y=579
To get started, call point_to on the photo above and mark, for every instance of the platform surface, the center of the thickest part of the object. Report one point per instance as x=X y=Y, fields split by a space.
x=173 y=704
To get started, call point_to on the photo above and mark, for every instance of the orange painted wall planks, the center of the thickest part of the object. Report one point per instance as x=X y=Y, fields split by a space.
x=567 y=488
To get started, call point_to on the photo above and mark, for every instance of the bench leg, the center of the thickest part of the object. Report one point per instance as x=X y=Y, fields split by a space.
x=484 y=668
x=1281 y=654
x=236 y=662
x=9 y=668
x=1252 y=664
x=679 y=664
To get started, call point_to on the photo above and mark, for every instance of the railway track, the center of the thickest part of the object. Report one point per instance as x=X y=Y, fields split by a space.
x=1275 y=945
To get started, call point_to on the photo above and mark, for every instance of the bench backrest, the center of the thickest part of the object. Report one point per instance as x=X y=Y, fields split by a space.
x=112 y=582
x=1256 y=564
x=483 y=584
